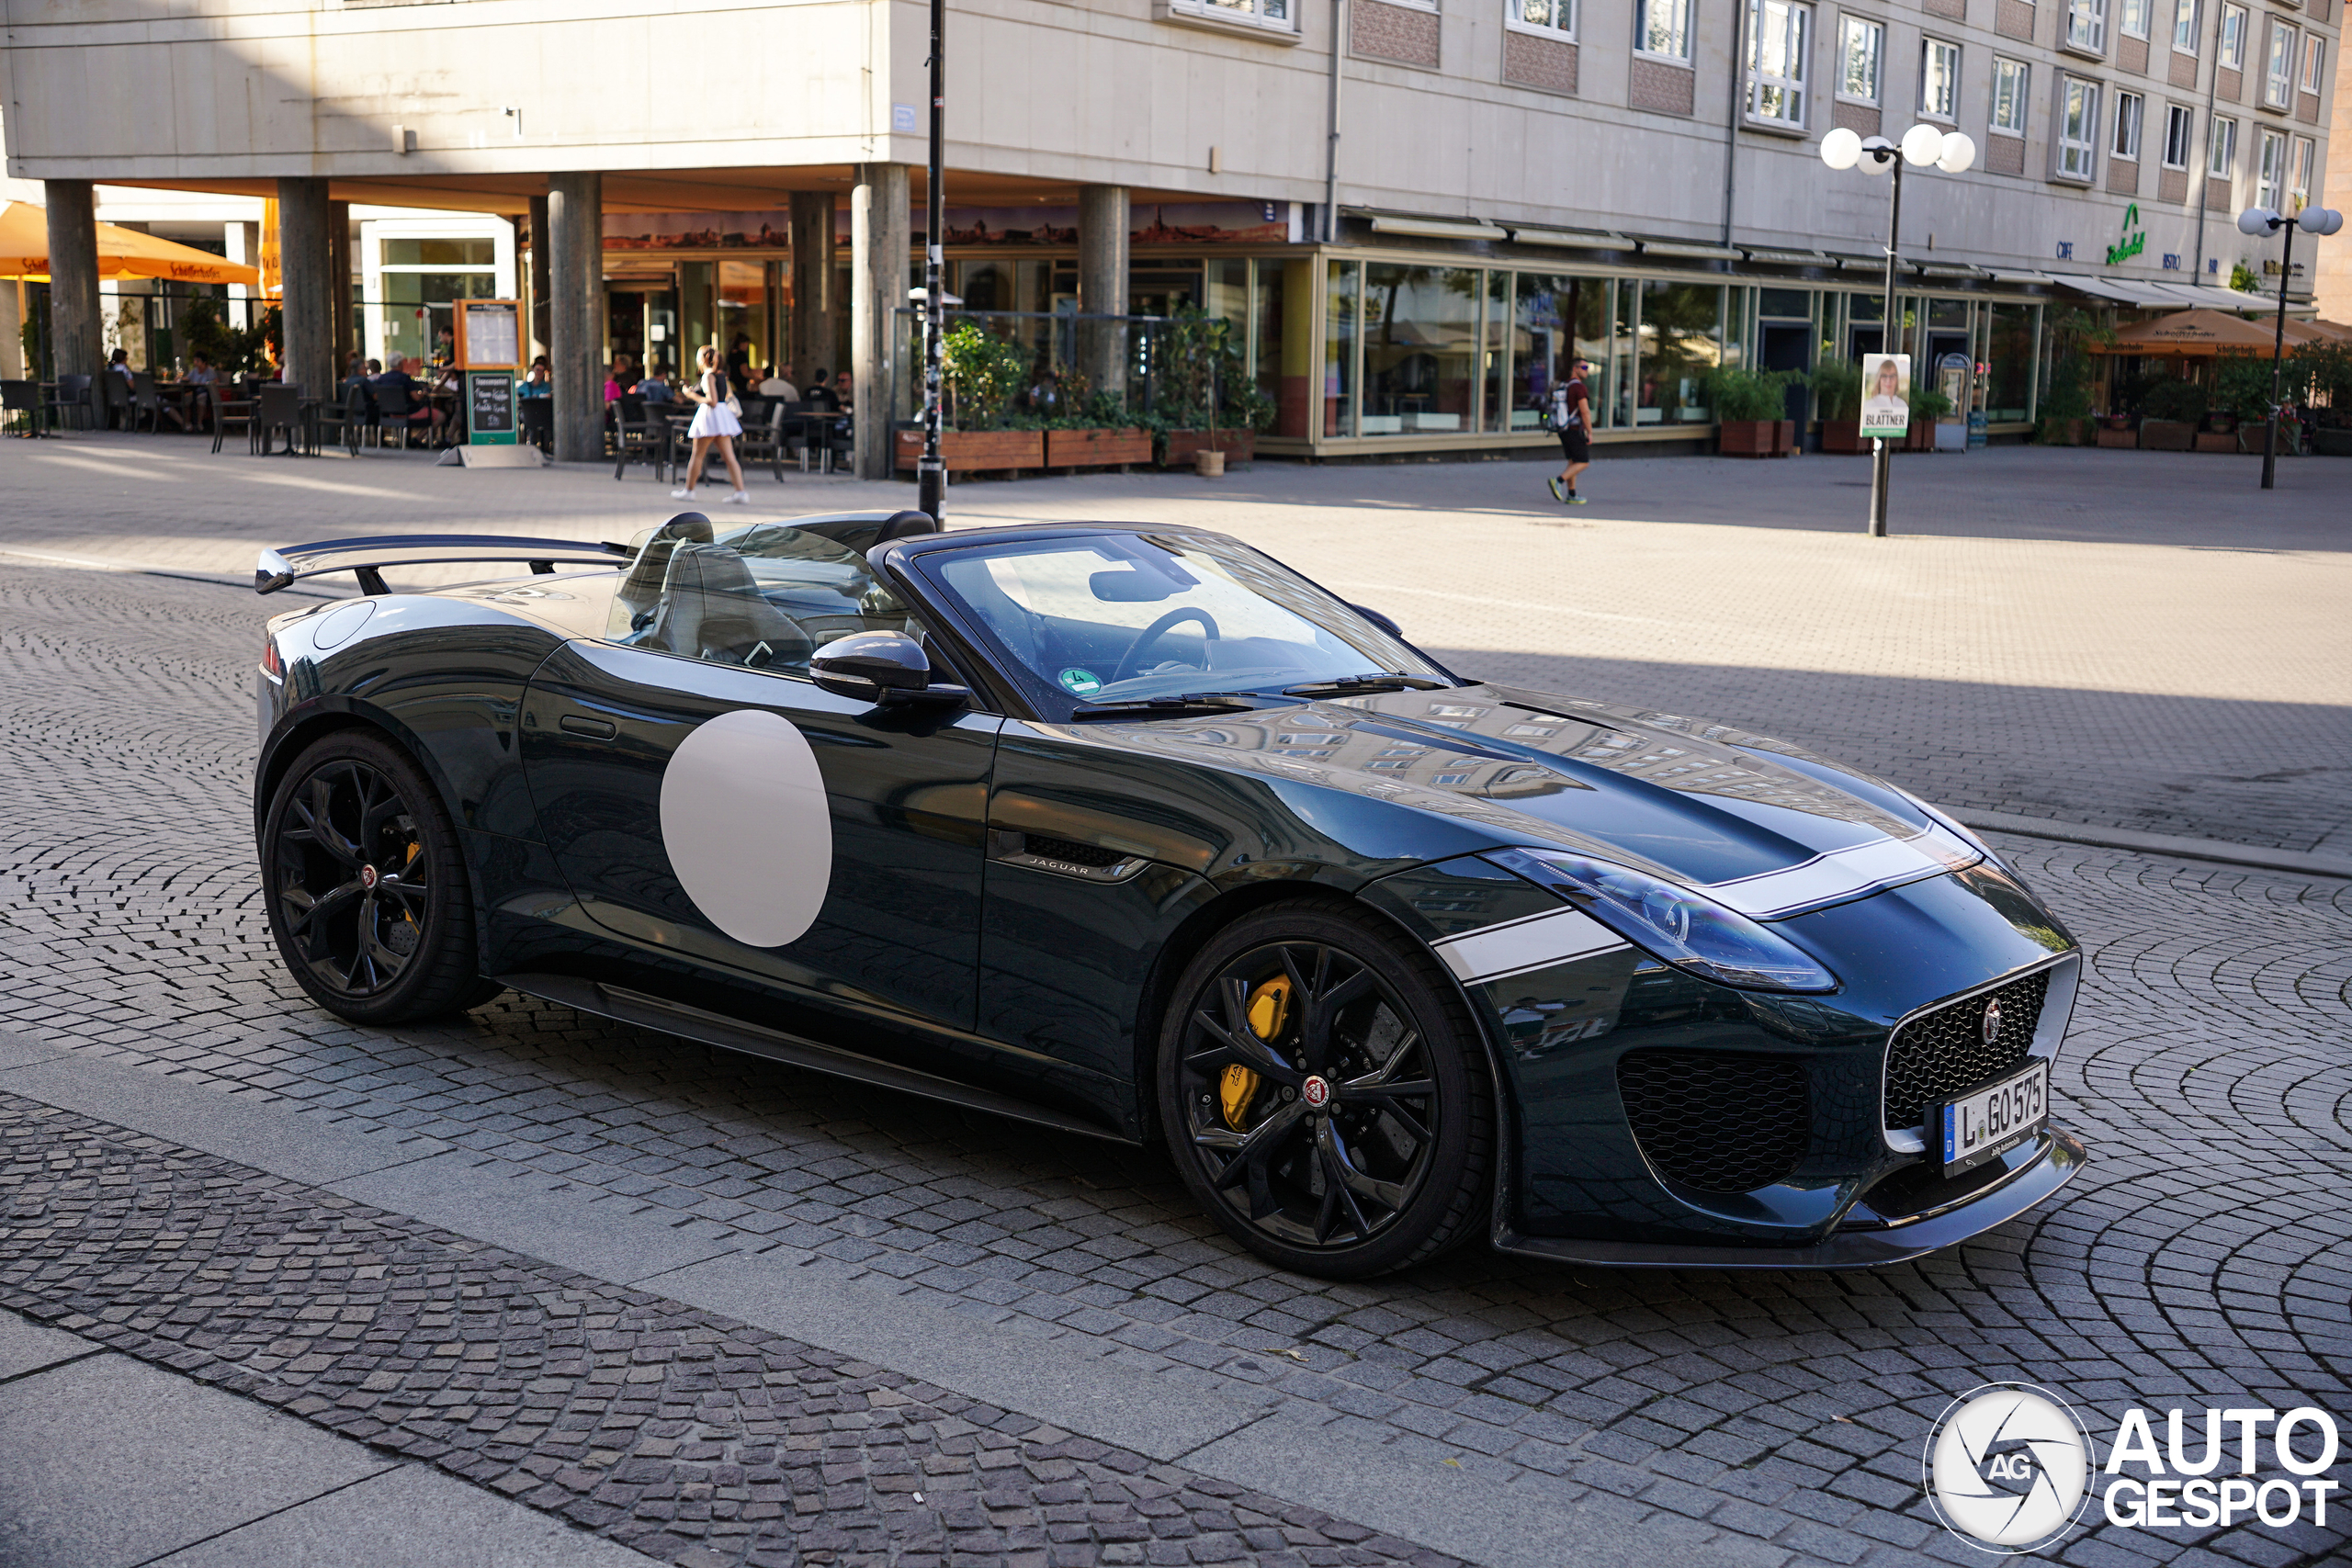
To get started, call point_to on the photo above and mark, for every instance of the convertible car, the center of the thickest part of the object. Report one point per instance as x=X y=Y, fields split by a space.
x=1137 y=834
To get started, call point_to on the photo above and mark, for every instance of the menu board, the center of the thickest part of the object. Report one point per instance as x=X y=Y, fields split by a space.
x=489 y=334
x=489 y=408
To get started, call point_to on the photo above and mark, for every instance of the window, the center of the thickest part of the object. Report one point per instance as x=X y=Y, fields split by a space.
x=2086 y=25
x=1861 y=46
x=2009 y=79
x=1777 y=46
x=1939 y=78
x=1546 y=16
x=2279 y=67
x=2221 y=148
x=2233 y=37
x=2314 y=62
x=2299 y=181
x=2270 y=186
x=1275 y=13
x=2179 y=136
x=2127 y=125
x=1662 y=27
x=2077 y=127
x=2132 y=16
x=2188 y=25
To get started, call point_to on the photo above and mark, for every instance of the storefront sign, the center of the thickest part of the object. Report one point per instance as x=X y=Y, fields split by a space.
x=489 y=408
x=1886 y=410
x=2131 y=243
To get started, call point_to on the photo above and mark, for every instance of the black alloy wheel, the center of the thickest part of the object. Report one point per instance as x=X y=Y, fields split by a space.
x=1324 y=1095
x=365 y=887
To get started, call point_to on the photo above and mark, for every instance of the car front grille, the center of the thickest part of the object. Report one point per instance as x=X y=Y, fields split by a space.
x=1717 y=1121
x=1939 y=1054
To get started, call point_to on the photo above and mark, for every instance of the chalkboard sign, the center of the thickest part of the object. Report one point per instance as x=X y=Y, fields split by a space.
x=490 y=407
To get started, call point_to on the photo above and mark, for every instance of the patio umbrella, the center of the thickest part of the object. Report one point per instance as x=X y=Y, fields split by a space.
x=122 y=253
x=2191 y=333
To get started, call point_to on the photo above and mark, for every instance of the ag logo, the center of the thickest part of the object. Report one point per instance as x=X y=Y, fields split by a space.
x=2007 y=1467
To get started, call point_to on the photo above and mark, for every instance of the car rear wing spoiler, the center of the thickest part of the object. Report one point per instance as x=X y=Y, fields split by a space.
x=367 y=558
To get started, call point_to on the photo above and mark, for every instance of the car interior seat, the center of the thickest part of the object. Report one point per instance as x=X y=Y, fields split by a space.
x=711 y=608
x=641 y=589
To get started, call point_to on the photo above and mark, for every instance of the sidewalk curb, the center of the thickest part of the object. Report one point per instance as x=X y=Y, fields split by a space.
x=2160 y=844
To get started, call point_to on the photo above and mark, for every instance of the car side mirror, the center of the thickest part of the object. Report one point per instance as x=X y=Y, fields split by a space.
x=1377 y=619
x=880 y=667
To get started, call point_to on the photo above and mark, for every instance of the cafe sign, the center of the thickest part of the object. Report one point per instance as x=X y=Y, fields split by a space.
x=2132 y=242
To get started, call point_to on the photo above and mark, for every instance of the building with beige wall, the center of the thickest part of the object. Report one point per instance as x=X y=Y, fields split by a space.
x=1412 y=231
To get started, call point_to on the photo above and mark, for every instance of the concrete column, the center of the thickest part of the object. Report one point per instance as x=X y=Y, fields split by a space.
x=341 y=312
x=76 y=337
x=878 y=241
x=541 y=334
x=1103 y=284
x=814 y=337
x=575 y=300
x=302 y=262
x=12 y=331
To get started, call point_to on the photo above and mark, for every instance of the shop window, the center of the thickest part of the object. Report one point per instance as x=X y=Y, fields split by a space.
x=1662 y=28
x=1680 y=339
x=1555 y=16
x=2221 y=149
x=1281 y=353
x=1618 y=358
x=2009 y=358
x=2077 y=127
x=2128 y=108
x=1779 y=39
x=2234 y=30
x=2314 y=62
x=1861 y=47
x=2271 y=186
x=1555 y=322
x=1420 y=340
x=2188 y=25
x=2010 y=80
x=1340 y=317
x=2131 y=16
x=2180 y=136
x=2279 y=67
x=1939 y=79
x=440 y=253
x=2087 y=26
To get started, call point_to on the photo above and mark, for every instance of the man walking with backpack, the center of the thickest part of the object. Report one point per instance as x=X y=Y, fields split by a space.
x=1571 y=419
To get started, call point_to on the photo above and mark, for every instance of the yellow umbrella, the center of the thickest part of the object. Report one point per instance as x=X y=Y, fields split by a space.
x=122 y=253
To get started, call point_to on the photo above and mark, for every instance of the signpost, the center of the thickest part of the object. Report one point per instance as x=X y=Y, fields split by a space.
x=489 y=351
x=1886 y=406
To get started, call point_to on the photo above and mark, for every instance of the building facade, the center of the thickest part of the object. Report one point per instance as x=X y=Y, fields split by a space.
x=1415 y=214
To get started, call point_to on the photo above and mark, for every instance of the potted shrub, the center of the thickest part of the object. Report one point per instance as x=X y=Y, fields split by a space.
x=2170 y=409
x=1838 y=384
x=1748 y=406
x=1213 y=409
x=2242 y=390
x=1929 y=407
x=2066 y=402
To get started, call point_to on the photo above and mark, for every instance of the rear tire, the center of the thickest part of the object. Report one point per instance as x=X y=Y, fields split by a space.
x=366 y=885
x=1325 y=1094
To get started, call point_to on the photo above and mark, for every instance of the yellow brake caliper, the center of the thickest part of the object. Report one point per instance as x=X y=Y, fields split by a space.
x=1268 y=1009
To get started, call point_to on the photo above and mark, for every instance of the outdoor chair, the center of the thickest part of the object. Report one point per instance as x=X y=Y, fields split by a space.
x=72 y=401
x=23 y=397
x=765 y=442
x=537 y=416
x=145 y=403
x=351 y=417
x=230 y=410
x=395 y=410
x=279 y=407
x=638 y=437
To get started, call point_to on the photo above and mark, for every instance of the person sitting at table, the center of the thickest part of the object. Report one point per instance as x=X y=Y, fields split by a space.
x=538 y=381
x=656 y=388
x=421 y=411
x=820 y=394
x=845 y=398
x=774 y=383
x=624 y=378
x=204 y=379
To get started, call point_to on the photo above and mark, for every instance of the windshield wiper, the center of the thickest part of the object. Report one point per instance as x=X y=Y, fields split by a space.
x=1379 y=681
x=1190 y=701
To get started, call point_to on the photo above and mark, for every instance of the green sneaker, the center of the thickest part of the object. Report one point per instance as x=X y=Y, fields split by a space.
x=1557 y=493
x=1575 y=500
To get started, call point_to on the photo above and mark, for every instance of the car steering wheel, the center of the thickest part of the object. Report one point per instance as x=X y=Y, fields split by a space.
x=1156 y=630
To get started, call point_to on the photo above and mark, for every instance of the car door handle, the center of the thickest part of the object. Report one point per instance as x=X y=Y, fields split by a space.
x=595 y=728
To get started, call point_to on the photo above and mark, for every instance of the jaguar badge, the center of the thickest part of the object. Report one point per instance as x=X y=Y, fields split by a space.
x=1992 y=1022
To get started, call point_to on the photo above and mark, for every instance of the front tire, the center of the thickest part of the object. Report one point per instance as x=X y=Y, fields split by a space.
x=1325 y=1095
x=366 y=887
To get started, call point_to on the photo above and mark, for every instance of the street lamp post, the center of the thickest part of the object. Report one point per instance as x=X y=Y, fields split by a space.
x=930 y=470
x=1921 y=145
x=2261 y=222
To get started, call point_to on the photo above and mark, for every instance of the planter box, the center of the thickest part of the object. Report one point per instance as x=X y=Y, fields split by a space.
x=1918 y=436
x=2168 y=436
x=2063 y=432
x=2217 y=441
x=2328 y=441
x=2250 y=436
x=1952 y=435
x=1184 y=446
x=2107 y=437
x=1749 y=438
x=1843 y=436
x=973 y=451
x=1096 y=448
x=1784 y=438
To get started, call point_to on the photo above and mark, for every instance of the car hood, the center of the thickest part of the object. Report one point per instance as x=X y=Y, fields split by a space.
x=1765 y=826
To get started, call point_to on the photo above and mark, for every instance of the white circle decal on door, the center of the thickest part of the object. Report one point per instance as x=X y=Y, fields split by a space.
x=745 y=824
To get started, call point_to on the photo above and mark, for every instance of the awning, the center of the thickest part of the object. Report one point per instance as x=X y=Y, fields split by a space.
x=1570 y=238
x=1860 y=263
x=1694 y=248
x=1437 y=228
x=1788 y=258
x=2122 y=291
x=122 y=253
x=1948 y=269
x=2020 y=274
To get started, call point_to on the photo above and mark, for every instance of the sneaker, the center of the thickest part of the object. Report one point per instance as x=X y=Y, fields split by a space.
x=1576 y=500
x=1557 y=493
x=740 y=498
x=682 y=495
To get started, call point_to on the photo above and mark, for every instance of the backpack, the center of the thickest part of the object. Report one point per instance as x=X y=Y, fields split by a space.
x=1559 y=416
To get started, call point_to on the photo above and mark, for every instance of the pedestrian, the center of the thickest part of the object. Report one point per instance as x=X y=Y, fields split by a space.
x=715 y=421
x=1571 y=421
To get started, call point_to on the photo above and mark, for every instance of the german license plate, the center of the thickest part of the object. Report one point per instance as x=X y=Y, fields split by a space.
x=1997 y=1116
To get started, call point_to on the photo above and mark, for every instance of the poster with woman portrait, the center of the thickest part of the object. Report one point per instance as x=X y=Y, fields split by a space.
x=1886 y=410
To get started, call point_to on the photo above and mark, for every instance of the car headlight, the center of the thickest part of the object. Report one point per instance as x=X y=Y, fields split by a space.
x=1679 y=924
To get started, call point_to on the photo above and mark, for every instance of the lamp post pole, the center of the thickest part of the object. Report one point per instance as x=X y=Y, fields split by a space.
x=931 y=479
x=1881 y=456
x=2277 y=351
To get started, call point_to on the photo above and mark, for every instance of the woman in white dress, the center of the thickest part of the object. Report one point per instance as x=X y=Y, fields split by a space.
x=715 y=421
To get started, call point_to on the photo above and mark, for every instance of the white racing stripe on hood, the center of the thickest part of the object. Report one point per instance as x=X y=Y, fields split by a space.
x=1515 y=947
x=1845 y=873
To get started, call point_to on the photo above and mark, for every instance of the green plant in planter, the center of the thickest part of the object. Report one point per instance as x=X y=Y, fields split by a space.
x=2242 y=387
x=206 y=331
x=1738 y=394
x=983 y=372
x=1927 y=403
x=1838 y=384
x=2171 y=399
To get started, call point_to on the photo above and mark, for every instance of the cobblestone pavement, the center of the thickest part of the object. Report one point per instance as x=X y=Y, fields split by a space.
x=2107 y=638
x=1767 y=1418
x=691 y=1439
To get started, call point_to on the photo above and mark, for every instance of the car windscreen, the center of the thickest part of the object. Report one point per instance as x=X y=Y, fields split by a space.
x=1099 y=619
